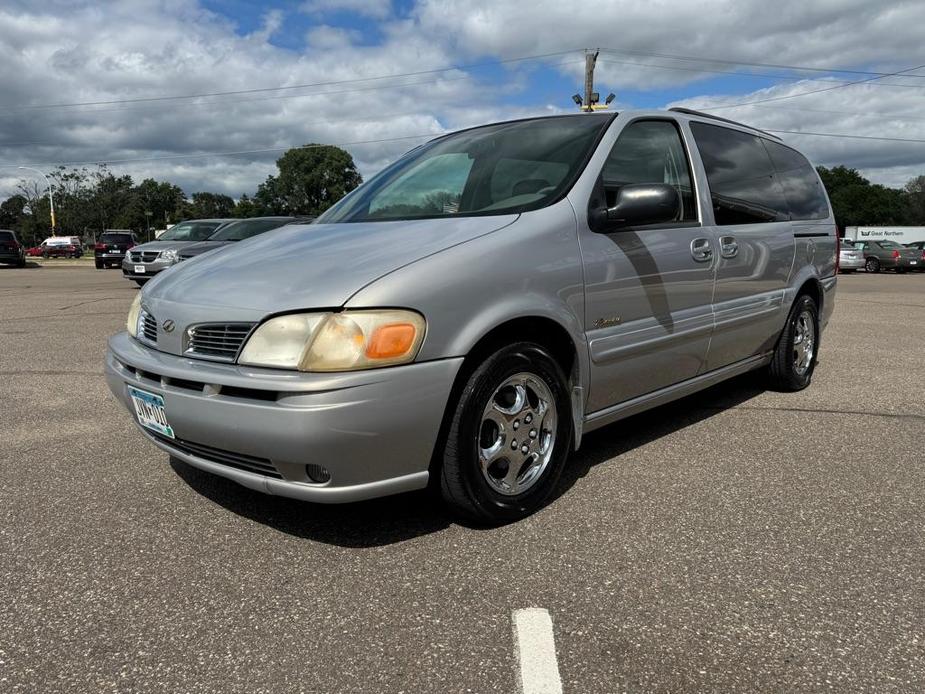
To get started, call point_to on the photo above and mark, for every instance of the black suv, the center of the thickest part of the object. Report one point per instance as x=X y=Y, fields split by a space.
x=11 y=250
x=111 y=247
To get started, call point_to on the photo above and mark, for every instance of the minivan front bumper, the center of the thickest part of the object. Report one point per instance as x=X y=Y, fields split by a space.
x=373 y=431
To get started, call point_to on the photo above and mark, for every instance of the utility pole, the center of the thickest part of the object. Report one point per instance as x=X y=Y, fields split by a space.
x=590 y=62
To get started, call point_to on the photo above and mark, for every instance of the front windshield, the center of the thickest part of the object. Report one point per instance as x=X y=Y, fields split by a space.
x=496 y=169
x=190 y=231
x=238 y=231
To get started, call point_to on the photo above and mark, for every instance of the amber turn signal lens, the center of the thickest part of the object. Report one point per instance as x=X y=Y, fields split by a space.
x=390 y=341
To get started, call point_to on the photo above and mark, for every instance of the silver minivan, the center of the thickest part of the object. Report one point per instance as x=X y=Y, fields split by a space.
x=462 y=318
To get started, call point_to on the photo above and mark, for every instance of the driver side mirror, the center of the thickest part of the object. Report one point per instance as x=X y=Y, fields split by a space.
x=638 y=204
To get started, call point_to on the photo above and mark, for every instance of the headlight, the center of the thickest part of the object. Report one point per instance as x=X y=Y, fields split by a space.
x=336 y=341
x=131 y=323
x=170 y=255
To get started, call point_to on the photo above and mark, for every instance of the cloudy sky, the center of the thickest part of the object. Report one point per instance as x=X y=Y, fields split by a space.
x=98 y=81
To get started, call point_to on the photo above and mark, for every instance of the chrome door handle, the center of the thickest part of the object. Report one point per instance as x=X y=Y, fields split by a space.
x=700 y=250
x=728 y=246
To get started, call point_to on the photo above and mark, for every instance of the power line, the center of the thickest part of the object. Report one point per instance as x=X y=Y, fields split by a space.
x=815 y=91
x=257 y=90
x=877 y=114
x=703 y=59
x=849 y=137
x=370 y=119
x=759 y=75
x=232 y=102
x=226 y=154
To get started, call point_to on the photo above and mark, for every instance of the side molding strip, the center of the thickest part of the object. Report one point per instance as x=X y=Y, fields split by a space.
x=642 y=403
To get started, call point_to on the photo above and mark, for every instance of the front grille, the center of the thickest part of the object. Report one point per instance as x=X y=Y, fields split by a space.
x=143 y=256
x=149 y=327
x=239 y=461
x=219 y=341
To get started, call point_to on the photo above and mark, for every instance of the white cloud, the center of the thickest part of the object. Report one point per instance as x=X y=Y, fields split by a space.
x=63 y=51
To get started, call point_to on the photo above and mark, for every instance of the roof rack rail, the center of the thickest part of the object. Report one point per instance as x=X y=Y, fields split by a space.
x=692 y=112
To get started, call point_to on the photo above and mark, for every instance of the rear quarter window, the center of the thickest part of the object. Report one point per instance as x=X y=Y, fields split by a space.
x=743 y=187
x=116 y=238
x=802 y=187
x=7 y=236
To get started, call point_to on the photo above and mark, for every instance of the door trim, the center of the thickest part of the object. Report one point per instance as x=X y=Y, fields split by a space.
x=642 y=403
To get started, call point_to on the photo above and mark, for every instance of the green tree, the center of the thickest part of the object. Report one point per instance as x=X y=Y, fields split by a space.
x=205 y=205
x=310 y=180
x=12 y=211
x=915 y=197
x=245 y=207
x=855 y=200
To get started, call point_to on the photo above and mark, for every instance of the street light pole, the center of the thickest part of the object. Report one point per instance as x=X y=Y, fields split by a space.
x=51 y=197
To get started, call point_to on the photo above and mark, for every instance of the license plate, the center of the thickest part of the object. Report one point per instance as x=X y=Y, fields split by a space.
x=149 y=408
x=913 y=262
x=140 y=269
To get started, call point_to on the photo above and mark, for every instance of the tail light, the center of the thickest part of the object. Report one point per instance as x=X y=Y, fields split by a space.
x=131 y=245
x=15 y=246
x=72 y=248
x=99 y=246
x=837 y=252
x=896 y=255
x=923 y=254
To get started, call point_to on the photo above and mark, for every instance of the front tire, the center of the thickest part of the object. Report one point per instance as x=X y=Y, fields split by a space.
x=794 y=359
x=98 y=264
x=509 y=436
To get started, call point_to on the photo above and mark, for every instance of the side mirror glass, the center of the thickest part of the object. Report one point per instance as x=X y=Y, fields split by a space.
x=638 y=204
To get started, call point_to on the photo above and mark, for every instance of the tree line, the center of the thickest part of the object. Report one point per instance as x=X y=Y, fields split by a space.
x=309 y=179
x=856 y=201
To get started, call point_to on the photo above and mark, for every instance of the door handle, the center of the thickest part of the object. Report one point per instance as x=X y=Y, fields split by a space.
x=728 y=246
x=700 y=250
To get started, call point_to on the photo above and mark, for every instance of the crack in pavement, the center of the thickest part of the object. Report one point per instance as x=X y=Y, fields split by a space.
x=808 y=410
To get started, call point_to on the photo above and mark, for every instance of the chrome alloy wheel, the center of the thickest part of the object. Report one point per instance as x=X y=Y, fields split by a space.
x=517 y=434
x=804 y=342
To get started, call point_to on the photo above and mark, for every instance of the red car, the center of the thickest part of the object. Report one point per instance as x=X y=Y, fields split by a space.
x=34 y=252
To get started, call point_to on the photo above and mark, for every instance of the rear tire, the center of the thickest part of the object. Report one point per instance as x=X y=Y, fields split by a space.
x=794 y=358
x=98 y=264
x=872 y=265
x=509 y=436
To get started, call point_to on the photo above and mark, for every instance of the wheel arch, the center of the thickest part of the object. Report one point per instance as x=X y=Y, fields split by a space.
x=535 y=327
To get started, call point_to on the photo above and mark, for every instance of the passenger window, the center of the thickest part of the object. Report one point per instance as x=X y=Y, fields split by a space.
x=432 y=188
x=651 y=152
x=743 y=187
x=801 y=184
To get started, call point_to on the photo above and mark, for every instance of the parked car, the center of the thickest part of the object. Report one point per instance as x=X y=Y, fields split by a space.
x=888 y=255
x=35 y=251
x=238 y=231
x=112 y=246
x=11 y=250
x=850 y=258
x=62 y=247
x=467 y=314
x=149 y=259
x=920 y=246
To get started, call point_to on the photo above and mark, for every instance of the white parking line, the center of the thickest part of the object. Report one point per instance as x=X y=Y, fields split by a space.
x=535 y=647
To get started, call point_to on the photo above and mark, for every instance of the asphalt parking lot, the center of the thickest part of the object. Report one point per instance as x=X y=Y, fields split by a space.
x=739 y=540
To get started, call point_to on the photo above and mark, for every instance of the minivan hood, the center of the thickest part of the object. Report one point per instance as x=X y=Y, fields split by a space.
x=312 y=266
x=201 y=247
x=162 y=245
